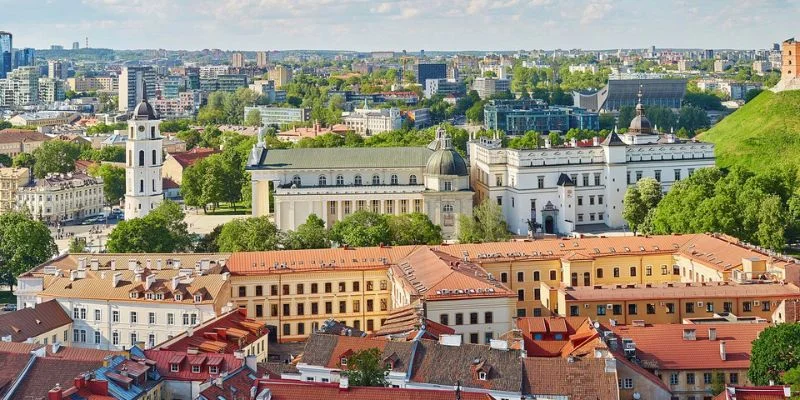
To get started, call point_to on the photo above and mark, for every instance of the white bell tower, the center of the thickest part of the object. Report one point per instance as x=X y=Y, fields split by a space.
x=143 y=158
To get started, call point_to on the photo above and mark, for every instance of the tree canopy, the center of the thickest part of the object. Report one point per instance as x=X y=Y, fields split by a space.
x=248 y=234
x=113 y=181
x=55 y=156
x=362 y=228
x=487 y=224
x=775 y=351
x=366 y=368
x=161 y=231
x=24 y=244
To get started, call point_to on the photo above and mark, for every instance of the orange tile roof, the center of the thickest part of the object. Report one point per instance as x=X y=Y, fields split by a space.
x=680 y=291
x=189 y=158
x=224 y=334
x=294 y=261
x=755 y=393
x=723 y=252
x=663 y=347
x=298 y=390
x=578 y=336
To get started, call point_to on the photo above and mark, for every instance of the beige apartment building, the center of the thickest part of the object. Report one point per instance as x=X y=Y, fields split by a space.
x=15 y=141
x=10 y=181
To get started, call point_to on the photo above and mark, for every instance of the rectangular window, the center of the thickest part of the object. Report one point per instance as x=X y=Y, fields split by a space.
x=259 y=310
x=473 y=338
x=301 y=309
x=638 y=176
x=96 y=337
x=617 y=309
x=134 y=317
x=677 y=174
x=328 y=307
x=356 y=305
x=690 y=307
x=573 y=311
x=417 y=205
x=185 y=319
x=499 y=200
x=690 y=378
x=670 y=308
x=301 y=288
x=765 y=305
x=629 y=177
x=580 y=200
x=537 y=294
x=747 y=306
x=384 y=305
x=651 y=308
x=473 y=318
x=600 y=199
x=658 y=175
x=259 y=290
x=170 y=319
x=287 y=330
x=194 y=319
x=707 y=378
x=314 y=308
x=580 y=217
x=591 y=200
x=585 y=179
x=632 y=309
x=601 y=309
x=115 y=338
x=342 y=307
x=521 y=295
x=328 y=287
x=459 y=319
x=370 y=305
x=151 y=318
x=97 y=315
x=342 y=287
x=301 y=328
x=540 y=182
x=709 y=307
x=286 y=310
x=488 y=317
x=356 y=286
x=273 y=290
x=673 y=378
x=376 y=206
x=273 y=310
x=597 y=179
x=734 y=378
x=444 y=319
x=727 y=306
x=242 y=291
x=648 y=270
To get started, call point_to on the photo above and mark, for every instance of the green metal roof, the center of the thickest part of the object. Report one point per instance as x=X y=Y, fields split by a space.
x=345 y=157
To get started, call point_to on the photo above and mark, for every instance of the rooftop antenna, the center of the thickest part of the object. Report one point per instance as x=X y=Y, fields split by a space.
x=87 y=42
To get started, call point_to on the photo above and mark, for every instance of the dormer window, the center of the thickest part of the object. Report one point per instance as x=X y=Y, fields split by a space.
x=174 y=368
x=213 y=369
x=159 y=296
x=178 y=297
x=195 y=369
x=343 y=361
x=482 y=375
x=148 y=296
x=134 y=295
x=198 y=298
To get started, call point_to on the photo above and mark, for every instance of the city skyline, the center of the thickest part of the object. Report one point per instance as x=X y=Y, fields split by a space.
x=361 y=25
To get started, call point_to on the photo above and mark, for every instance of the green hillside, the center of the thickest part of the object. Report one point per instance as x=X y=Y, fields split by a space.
x=763 y=133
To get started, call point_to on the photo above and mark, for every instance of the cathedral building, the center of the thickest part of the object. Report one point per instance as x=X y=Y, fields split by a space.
x=570 y=188
x=336 y=182
x=143 y=161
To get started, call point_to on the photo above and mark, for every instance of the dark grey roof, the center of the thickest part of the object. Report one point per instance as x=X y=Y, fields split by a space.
x=344 y=157
x=613 y=140
x=320 y=347
x=448 y=365
x=144 y=111
x=565 y=180
x=446 y=162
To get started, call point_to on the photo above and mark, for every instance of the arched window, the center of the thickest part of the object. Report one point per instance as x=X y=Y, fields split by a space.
x=394 y=179
x=412 y=180
x=376 y=180
x=154 y=157
x=141 y=186
x=339 y=180
x=141 y=158
x=323 y=181
x=357 y=180
x=296 y=181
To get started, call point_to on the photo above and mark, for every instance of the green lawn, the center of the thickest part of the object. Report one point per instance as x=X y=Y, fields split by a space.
x=226 y=209
x=761 y=134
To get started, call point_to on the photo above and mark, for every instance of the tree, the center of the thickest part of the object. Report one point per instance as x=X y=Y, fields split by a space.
x=253 y=118
x=693 y=118
x=414 y=228
x=634 y=211
x=309 y=235
x=366 y=368
x=161 y=231
x=5 y=160
x=626 y=114
x=113 y=181
x=555 y=139
x=487 y=224
x=24 y=244
x=362 y=228
x=607 y=121
x=208 y=243
x=55 y=156
x=24 y=160
x=248 y=234
x=775 y=351
x=649 y=191
x=5 y=125
x=175 y=125
x=77 y=245
x=751 y=94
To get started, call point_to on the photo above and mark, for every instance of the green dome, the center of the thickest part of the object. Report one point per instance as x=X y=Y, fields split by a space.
x=446 y=162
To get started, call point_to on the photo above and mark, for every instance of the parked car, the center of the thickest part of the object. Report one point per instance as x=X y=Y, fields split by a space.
x=10 y=307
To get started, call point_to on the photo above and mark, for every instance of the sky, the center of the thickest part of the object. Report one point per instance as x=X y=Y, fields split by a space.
x=372 y=25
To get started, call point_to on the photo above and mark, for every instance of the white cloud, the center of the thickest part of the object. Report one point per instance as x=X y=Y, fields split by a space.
x=382 y=8
x=594 y=10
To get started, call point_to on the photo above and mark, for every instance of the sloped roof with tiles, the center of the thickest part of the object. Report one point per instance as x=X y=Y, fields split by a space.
x=21 y=135
x=577 y=378
x=189 y=158
x=31 y=322
x=224 y=334
x=663 y=346
x=436 y=275
x=294 y=261
x=237 y=382
x=755 y=393
x=723 y=252
x=297 y=390
x=409 y=321
x=122 y=261
x=328 y=350
x=165 y=358
x=558 y=336
x=439 y=364
x=679 y=291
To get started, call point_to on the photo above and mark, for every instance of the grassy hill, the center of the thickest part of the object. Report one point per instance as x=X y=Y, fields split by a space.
x=763 y=133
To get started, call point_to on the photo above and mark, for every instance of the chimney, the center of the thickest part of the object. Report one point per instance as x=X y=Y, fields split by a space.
x=712 y=333
x=225 y=276
x=73 y=275
x=596 y=141
x=113 y=265
x=547 y=143
x=149 y=281
x=175 y=281
x=116 y=278
x=82 y=263
x=344 y=383
x=251 y=362
x=158 y=264
x=722 y=354
x=573 y=142
x=55 y=393
x=80 y=381
x=176 y=264
x=95 y=264
x=131 y=265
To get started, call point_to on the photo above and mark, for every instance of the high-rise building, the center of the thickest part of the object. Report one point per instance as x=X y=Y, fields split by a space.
x=130 y=86
x=430 y=71
x=23 y=57
x=20 y=88
x=143 y=189
x=237 y=60
x=55 y=69
x=51 y=90
x=76 y=45
x=262 y=59
x=5 y=53
x=281 y=75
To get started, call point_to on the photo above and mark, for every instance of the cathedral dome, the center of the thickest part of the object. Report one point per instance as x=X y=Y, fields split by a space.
x=445 y=160
x=640 y=124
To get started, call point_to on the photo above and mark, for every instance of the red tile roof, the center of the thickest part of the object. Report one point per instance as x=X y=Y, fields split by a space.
x=189 y=158
x=298 y=390
x=31 y=322
x=663 y=347
x=755 y=393
x=293 y=261
x=168 y=183
x=21 y=135
x=224 y=334
x=578 y=336
x=578 y=378
x=164 y=358
x=680 y=291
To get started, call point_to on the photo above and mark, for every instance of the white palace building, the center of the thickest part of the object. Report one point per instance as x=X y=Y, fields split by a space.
x=335 y=182
x=570 y=188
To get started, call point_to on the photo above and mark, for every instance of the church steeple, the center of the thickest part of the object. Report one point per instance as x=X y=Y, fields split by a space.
x=640 y=125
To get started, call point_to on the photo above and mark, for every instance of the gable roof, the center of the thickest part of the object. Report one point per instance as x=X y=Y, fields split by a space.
x=613 y=140
x=31 y=322
x=164 y=358
x=21 y=135
x=577 y=378
x=344 y=157
x=189 y=158
x=325 y=350
x=224 y=334
x=298 y=390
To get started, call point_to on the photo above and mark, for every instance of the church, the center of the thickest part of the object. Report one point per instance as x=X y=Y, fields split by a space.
x=580 y=186
x=336 y=182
